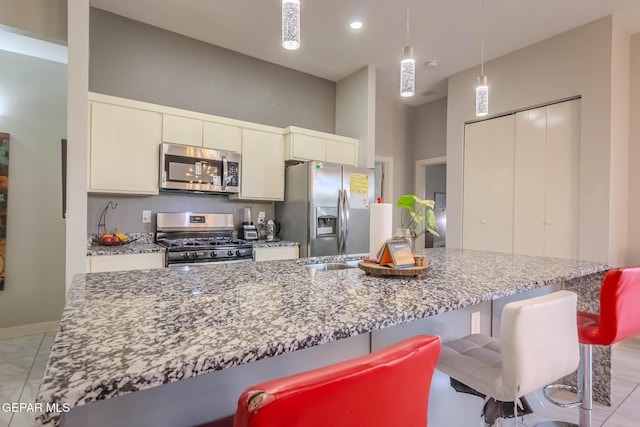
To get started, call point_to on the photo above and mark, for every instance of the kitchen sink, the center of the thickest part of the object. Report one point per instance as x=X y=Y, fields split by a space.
x=327 y=266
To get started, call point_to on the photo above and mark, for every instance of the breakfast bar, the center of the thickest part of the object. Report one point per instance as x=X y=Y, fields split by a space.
x=179 y=344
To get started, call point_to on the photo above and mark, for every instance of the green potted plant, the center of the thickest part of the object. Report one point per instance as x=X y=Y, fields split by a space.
x=418 y=217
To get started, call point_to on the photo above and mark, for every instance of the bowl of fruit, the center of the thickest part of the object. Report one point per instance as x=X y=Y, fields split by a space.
x=113 y=239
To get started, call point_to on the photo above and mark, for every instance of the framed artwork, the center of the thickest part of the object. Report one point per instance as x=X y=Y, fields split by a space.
x=4 y=185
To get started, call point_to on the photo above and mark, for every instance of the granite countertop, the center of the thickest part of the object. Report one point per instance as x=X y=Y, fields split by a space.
x=126 y=331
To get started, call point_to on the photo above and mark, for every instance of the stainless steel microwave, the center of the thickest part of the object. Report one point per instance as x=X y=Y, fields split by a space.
x=197 y=169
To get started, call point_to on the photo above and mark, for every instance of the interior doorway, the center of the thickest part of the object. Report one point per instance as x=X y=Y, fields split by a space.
x=431 y=183
x=384 y=178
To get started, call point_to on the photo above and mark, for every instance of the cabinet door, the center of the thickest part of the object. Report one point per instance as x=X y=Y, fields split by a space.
x=343 y=153
x=562 y=180
x=476 y=155
x=181 y=130
x=528 y=234
x=305 y=147
x=126 y=262
x=488 y=185
x=124 y=149
x=274 y=253
x=262 y=175
x=222 y=137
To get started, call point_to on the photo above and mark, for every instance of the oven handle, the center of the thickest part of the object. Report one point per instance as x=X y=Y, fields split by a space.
x=225 y=172
x=209 y=263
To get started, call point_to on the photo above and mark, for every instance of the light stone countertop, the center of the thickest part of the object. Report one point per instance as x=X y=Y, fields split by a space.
x=133 y=330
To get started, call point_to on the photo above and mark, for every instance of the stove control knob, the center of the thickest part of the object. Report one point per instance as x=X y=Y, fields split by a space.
x=195 y=255
x=238 y=252
x=185 y=255
x=213 y=254
x=230 y=253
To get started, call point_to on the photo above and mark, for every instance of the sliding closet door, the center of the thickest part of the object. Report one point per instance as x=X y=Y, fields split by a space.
x=530 y=182
x=562 y=180
x=488 y=185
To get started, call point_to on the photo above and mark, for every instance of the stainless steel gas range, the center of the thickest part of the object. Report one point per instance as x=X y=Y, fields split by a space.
x=194 y=238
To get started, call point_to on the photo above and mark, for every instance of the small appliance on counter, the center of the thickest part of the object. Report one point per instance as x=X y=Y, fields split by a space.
x=248 y=230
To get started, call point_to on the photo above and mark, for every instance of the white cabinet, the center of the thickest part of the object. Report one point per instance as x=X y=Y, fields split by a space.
x=221 y=137
x=181 y=130
x=123 y=151
x=488 y=185
x=275 y=253
x=190 y=131
x=546 y=202
x=262 y=174
x=98 y=264
x=307 y=145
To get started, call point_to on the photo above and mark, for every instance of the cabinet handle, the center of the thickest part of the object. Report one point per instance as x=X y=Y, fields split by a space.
x=547 y=222
x=484 y=221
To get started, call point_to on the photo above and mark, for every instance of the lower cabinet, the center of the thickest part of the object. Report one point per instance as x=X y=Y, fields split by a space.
x=275 y=253
x=103 y=263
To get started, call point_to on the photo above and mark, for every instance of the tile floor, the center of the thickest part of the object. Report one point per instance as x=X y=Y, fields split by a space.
x=23 y=360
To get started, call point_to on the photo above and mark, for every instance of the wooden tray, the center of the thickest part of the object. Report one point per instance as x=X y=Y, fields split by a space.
x=373 y=269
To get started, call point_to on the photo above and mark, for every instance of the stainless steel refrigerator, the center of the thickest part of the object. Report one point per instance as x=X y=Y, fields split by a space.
x=326 y=208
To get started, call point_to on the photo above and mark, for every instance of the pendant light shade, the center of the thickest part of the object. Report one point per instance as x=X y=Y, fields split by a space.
x=407 y=73
x=482 y=96
x=291 y=24
x=482 y=87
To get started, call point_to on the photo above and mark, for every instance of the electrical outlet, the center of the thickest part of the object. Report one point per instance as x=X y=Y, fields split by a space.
x=261 y=216
x=475 y=322
x=146 y=216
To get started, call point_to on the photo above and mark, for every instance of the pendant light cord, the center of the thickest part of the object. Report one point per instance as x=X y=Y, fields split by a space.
x=407 y=24
x=481 y=42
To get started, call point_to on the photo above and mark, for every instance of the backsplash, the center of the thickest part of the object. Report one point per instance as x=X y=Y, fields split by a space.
x=127 y=216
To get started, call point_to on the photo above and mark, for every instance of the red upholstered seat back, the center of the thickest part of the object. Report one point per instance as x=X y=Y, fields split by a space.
x=619 y=317
x=387 y=388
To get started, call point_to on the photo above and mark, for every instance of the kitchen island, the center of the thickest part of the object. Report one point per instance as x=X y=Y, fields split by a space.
x=177 y=344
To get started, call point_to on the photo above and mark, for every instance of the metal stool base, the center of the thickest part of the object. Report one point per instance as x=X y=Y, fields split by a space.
x=556 y=424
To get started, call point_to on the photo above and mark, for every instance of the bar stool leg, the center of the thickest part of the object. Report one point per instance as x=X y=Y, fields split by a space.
x=586 y=385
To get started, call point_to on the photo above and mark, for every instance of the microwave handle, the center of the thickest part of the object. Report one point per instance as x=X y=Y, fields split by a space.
x=225 y=172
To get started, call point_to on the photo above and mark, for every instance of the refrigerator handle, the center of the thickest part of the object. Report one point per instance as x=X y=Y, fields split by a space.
x=345 y=208
x=340 y=222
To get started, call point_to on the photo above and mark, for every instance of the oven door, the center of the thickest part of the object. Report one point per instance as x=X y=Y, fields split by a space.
x=189 y=168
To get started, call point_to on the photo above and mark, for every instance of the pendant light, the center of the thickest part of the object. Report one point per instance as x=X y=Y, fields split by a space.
x=482 y=86
x=407 y=68
x=291 y=24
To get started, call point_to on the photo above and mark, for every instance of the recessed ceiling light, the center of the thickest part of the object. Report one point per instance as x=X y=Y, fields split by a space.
x=356 y=25
x=431 y=64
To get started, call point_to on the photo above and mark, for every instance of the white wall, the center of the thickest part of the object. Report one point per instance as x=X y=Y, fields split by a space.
x=577 y=62
x=633 y=256
x=356 y=112
x=619 y=201
x=77 y=131
x=393 y=138
x=33 y=111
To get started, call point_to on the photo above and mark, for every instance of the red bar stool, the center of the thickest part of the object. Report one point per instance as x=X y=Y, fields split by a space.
x=387 y=388
x=618 y=320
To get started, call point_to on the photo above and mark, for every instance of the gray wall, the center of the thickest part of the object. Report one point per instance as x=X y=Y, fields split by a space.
x=393 y=139
x=34 y=113
x=430 y=130
x=44 y=19
x=133 y=60
x=127 y=216
x=633 y=257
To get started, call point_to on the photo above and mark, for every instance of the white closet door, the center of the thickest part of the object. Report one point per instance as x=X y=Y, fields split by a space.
x=488 y=185
x=476 y=157
x=562 y=182
x=529 y=200
x=499 y=191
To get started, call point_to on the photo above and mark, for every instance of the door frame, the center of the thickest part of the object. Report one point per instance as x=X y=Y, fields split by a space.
x=387 y=187
x=419 y=186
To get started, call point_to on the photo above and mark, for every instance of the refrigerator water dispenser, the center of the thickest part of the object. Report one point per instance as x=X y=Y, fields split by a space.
x=326 y=221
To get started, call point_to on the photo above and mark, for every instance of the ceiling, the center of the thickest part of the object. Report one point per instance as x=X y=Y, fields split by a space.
x=444 y=30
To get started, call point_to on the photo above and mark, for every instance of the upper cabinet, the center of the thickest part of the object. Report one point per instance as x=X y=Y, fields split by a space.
x=262 y=173
x=123 y=152
x=189 y=131
x=306 y=145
